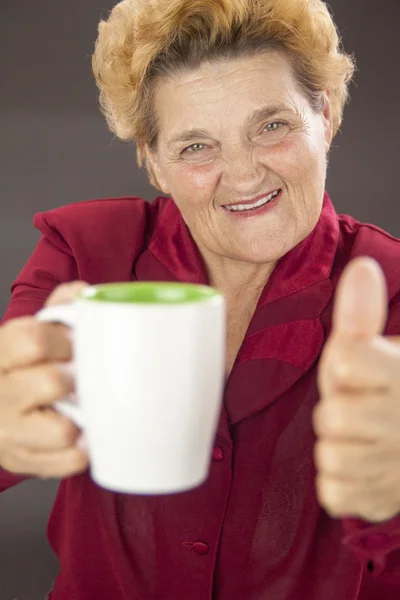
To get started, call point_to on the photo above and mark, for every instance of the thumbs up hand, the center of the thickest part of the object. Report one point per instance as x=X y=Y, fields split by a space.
x=357 y=421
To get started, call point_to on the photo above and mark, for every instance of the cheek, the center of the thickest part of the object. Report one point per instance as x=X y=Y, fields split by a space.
x=296 y=160
x=194 y=185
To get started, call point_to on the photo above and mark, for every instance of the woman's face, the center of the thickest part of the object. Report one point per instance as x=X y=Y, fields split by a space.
x=233 y=132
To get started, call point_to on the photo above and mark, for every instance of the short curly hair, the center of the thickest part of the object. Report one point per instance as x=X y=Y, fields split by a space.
x=143 y=40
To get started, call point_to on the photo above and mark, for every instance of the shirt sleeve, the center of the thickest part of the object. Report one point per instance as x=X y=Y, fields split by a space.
x=50 y=264
x=378 y=545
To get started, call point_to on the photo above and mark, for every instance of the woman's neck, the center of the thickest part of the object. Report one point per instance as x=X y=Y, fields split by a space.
x=238 y=281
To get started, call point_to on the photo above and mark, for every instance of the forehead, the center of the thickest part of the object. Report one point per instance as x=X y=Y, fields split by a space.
x=226 y=88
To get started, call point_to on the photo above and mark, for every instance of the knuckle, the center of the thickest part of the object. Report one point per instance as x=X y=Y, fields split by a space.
x=20 y=339
x=334 y=511
x=335 y=462
x=321 y=418
x=11 y=463
x=79 y=461
x=317 y=420
x=336 y=419
x=319 y=456
x=53 y=386
x=328 y=458
x=14 y=325
x=330 y=418
x=342 y=372
x=65 y=432
x=331 y=497
x=32 y=341
x=28 y=462
x=45 y=472
x=376 y=513
x=72 y=463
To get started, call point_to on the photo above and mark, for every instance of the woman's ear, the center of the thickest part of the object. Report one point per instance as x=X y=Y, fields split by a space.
x=328 y=119
x=155 y=171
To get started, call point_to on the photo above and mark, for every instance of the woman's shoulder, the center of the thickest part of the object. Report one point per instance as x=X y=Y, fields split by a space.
x=364 y=239
x=95 y=241
x=105 y=217
x=80 y=226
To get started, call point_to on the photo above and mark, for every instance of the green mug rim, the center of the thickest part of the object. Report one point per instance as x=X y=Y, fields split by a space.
x=149 y=292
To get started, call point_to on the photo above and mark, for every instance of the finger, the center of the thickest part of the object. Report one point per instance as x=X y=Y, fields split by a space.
x=371 y=364
x=343 y=498
x=367 y=417
x=361 y=301
x=44 y=430
x=353 y=460
x=66 y=292
x=47 y=464
x=32 y=387
x=26 y=341
x=339 y=498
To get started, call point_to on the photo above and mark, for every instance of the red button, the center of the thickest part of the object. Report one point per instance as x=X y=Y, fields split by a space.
x=201 y=548
x=218 y=454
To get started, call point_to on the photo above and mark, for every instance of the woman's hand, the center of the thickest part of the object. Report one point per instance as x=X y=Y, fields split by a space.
x=34 y=438
x=357 y=421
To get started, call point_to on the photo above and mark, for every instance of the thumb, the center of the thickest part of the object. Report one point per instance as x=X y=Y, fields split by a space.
x=360 y=308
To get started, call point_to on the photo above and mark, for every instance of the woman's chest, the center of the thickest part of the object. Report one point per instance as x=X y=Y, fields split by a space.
x=238 y=321
x=236 y=332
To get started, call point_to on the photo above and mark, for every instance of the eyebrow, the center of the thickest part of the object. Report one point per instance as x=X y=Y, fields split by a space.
x=189 y=134
x=268 y=112
x=265 y=113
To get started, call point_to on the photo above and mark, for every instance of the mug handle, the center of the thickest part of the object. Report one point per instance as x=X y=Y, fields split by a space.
x=65 y=314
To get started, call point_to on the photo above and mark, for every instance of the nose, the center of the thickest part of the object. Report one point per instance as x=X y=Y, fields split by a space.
x=243 y=174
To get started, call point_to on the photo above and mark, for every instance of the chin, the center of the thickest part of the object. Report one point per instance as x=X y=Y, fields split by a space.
x=262 y=253
x=260 y=257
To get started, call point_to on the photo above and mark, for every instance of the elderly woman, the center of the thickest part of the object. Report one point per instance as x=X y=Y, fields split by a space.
x=233 y=105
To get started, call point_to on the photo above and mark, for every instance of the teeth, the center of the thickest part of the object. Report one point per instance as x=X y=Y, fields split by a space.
x=261 y=202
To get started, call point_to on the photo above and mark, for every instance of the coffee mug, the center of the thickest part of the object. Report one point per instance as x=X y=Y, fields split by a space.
x=149 y=360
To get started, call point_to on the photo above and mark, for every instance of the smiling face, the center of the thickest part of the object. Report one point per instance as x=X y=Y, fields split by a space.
x=232 y=132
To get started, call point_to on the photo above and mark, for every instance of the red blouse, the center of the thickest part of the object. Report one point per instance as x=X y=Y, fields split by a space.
x=254 y=530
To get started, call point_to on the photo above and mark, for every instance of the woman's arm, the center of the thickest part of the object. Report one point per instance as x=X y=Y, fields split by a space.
x=47 y=267
x=378 y=545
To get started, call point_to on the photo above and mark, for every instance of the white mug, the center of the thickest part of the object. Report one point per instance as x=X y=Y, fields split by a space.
x=149 y=359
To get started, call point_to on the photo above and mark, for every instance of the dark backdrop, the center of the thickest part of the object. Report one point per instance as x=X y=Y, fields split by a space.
x=55 y=149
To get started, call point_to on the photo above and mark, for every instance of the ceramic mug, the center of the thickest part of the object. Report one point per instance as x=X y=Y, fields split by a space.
x=149 y=361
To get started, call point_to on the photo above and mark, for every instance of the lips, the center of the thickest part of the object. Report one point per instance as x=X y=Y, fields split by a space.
x=253 y=200
x=248 y=205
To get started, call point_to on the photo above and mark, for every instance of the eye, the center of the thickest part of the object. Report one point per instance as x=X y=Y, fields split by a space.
x=274 y=126
x=194 y=148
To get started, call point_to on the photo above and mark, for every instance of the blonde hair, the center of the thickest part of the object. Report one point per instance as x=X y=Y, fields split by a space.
x=143 y=40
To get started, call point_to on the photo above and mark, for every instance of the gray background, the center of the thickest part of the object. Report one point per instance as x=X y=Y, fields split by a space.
x=55 y=149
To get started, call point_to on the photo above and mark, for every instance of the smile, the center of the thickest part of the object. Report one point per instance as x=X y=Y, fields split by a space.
x=258 y=204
